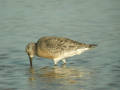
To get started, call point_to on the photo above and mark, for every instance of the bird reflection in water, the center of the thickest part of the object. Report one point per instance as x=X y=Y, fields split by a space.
x=65 y=74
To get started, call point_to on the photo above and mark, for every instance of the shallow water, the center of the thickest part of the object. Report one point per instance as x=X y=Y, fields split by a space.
x=88 y=21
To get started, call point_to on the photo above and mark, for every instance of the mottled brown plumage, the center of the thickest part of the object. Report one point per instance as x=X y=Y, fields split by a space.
x=56 y=48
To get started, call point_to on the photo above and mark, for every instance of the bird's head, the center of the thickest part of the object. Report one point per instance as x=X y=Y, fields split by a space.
x=31 y=51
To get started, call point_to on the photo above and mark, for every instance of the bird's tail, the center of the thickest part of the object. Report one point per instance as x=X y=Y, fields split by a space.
x=92 y=45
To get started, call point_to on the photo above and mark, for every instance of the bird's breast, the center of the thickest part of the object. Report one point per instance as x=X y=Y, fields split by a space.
x=45 y=54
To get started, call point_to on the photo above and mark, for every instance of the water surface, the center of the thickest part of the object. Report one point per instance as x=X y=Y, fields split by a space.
x=87 y=21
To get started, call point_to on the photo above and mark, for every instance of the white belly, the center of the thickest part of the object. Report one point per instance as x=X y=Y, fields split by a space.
x=71 y=53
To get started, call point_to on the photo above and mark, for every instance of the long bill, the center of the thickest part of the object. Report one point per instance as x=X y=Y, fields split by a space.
x=30 y=59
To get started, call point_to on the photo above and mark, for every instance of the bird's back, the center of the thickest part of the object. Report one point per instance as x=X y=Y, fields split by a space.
x=54 y=47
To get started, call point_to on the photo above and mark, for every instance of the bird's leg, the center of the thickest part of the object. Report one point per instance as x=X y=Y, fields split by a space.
x=64 y=61
x=55 y=61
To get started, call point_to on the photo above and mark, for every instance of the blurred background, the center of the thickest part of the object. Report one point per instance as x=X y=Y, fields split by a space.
x=87 y=21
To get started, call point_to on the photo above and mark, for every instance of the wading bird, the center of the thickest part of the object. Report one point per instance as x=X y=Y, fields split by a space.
x=56 y=48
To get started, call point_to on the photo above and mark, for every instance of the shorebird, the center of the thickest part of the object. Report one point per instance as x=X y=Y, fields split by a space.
x=56 y=48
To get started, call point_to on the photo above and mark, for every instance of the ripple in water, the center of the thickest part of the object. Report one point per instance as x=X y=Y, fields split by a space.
x=66 y=75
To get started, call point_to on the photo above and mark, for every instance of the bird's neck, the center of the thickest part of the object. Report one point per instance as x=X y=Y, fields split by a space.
x=35 y=49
